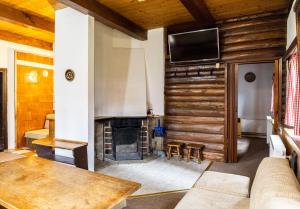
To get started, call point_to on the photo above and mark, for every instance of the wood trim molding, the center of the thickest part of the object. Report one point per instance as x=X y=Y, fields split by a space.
x=108 y=17
x=199 y=10
x=4 y=109
x=232 y=79
x=23 y=18
x=289 y=51
x=276 y=95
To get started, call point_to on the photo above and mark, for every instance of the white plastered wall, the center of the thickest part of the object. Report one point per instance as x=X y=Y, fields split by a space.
x=74 y=101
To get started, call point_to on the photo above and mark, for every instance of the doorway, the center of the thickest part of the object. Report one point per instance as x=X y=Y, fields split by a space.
x=254 y=103
x=249 y=98
x=3 y=110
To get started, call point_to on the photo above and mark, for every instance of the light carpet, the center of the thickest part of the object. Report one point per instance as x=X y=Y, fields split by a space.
x=159 y=175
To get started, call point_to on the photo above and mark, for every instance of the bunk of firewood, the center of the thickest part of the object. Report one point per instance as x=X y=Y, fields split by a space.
x=195 y=107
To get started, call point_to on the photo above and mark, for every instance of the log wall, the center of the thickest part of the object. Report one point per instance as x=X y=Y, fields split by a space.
x=195 y=107
x=196 y=104
x=253 y=39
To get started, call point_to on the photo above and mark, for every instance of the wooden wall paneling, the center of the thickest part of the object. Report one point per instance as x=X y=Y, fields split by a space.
x=249 y=39
x=232 y=80
x=194 y=101
x=34 y=99
x=276 y=95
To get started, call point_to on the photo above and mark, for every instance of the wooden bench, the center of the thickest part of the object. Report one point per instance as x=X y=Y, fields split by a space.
x=45 y=148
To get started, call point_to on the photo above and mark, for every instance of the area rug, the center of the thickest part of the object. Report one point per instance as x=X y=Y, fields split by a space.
x=158 y=175
x=8 y=156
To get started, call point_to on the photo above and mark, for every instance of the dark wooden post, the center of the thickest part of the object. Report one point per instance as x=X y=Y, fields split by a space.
x=232 y=107
x=276 y=96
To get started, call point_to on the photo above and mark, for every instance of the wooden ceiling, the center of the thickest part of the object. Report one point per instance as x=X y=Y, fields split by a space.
x=32 y=21
x=157 y=13
x=29 y=22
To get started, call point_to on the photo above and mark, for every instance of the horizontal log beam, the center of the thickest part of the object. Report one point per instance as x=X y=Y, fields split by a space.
x=209 y=155
x=25 y=19
x=197 y=128
x=264 y=54
x=253 y=30
x=193 y=73
x=212 y=147
x=108 y=17
x=195 y=113
x=252 y=23
x=279 y=34
x=193 y=120
x=195 y=86
x=254 y=45
x=199 y=137
x=196 y=105
x=195 y=92
x=192 y=69
x=16 y=38
x=195 y=98
x=194 y=80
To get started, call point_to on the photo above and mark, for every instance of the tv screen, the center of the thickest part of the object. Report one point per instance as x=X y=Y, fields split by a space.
x=201 y=45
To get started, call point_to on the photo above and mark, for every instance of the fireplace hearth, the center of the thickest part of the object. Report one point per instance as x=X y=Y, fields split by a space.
x=121 y=138
x=126 y=139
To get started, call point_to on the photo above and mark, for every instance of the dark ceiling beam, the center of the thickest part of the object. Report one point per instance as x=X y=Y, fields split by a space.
x=199 y=11
x=24 y=19
x=108 y=17
x=17 y=38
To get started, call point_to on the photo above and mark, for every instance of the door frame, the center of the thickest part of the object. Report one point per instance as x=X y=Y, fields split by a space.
x=4 y=108
x=232 y=105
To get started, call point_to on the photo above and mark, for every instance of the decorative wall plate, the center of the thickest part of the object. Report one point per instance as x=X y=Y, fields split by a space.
x=70 y=75
x=250 y=77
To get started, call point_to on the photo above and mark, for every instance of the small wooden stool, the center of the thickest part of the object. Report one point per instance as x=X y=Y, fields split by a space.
x=175 y=149
x=192 y=148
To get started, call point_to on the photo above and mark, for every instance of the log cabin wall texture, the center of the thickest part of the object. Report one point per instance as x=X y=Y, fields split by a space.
x=196 y=102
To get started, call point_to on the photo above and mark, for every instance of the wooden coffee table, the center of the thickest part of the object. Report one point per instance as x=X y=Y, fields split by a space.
x=34 y=182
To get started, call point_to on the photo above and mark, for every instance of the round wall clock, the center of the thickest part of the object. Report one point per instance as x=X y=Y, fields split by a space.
x=250 y=77
x=70 y=75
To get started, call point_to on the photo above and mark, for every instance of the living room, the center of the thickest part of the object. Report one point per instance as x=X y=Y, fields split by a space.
x=149 y=104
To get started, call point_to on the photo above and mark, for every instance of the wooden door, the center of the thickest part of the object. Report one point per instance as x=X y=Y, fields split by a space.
x=3 y=111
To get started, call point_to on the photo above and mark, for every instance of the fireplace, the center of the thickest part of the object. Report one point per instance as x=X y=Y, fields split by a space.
x=127 y=140
x=121 y=138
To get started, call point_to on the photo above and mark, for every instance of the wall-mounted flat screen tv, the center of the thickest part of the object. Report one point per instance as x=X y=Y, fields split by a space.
x=200 y=45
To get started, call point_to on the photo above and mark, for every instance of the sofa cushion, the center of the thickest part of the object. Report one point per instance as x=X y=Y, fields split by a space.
x=225 y=183
x=37 y=134
x=274 y=179
x=205 y=199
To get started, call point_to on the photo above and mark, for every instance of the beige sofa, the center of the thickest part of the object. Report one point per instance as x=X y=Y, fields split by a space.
x=274 y=187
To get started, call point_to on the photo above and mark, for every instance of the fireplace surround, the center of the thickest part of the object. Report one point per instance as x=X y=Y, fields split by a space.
x=121 y=138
